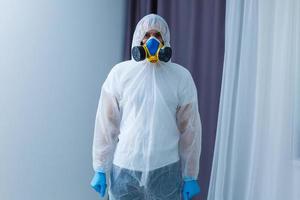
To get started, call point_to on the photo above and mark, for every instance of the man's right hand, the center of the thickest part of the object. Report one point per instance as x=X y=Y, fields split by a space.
x=99 y=183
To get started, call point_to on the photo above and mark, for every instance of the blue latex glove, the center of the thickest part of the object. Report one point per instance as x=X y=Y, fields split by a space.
x=99 y=183
x=190 y=189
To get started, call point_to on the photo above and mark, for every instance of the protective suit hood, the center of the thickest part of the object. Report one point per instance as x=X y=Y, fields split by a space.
x=147 y=23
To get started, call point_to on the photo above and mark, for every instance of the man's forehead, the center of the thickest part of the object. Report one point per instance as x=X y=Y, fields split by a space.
x=152 y=31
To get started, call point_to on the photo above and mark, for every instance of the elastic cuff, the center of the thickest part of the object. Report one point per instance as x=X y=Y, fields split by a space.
x=188 y=178
x=100 y=169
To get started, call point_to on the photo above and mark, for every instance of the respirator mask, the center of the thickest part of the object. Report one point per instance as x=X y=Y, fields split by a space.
x=153 y=50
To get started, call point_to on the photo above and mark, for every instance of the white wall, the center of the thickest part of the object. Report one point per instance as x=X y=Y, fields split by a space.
x=54 y=56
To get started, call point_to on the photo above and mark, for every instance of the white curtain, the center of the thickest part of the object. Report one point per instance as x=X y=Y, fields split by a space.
x=257 y=150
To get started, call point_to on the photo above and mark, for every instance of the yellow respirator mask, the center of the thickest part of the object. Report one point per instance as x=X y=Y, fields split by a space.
x=153 y=50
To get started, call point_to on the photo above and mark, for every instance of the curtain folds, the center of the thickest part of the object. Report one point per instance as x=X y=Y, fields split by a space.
x=257 y=146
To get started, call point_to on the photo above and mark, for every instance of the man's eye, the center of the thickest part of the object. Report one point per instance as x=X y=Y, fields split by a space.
x=147 y=35
x=157 y=35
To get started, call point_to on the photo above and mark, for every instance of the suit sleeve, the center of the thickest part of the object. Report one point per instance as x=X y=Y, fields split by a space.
x=189 y=124
x=106 y=129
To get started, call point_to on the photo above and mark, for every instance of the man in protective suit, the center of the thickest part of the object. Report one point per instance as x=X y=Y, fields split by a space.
x=148 y=129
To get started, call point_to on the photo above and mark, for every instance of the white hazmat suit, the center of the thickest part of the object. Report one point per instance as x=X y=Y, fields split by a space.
x=147 y=116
